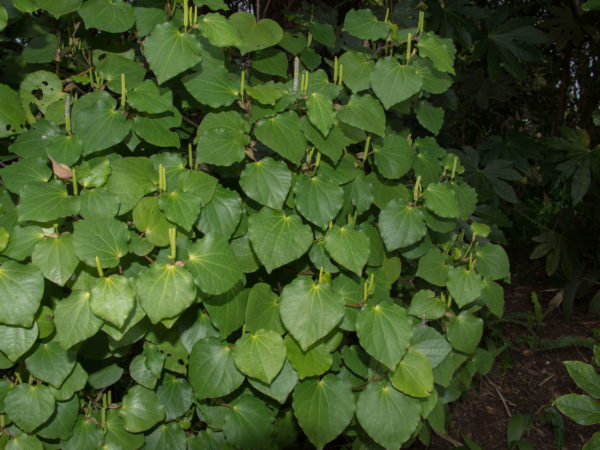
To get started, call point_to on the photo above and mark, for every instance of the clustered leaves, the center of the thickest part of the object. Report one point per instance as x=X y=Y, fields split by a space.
x=220 y=232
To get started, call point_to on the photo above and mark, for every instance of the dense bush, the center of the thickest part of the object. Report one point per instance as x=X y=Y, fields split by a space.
x=217 y=232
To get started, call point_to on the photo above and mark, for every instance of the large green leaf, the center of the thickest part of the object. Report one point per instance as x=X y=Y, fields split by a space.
x=441 y=199
x=112 y=67
x=103 y=238
x=113 y=299
x=12 y=114
x=310 y=310
x=130 y=179
x=146 y=97
x=175 y=393
x=433 y=267
x=227 y=311
x=213 y=86
x=15 y=341
x=348 y=246
x=262 y=311
x=464 y=284
x=141 y=409
x=74 y=319
x=219 y=31
x=150 y=220
x=267 y=181
x=282 y=133
x=394 y=158
x=585 y=377
x=364 y=25
x=55 y=257
x=29 y=406
x=393 y=83
x=464 y=331
x=157 y=130
x=212 y=371
x=221 y=146
x=492 y=261
x=222 y=214
x=180 y=207
x=365 y=113
x=49 y=362
x=324 y=408
x=98 y=123
x=107 y=15
x=62 y=422
x=260 y=354
x=43 y=202
x=277 y=238
x=440 y=51
x=170 y=51
x=384 y=331
x=213 y=264
x=16 y=175
x=431 y=117
x=281 y=386
x=21 y=289
x=320 y=112
x=255 y=35
x=169 y=436
x=58 y=8
x=165 y=291
x=413 y=376
x=581 y=408
x=380 y=405
x=357 y=70
x=249 y=423
x=318 y=199
x=401 y=225
x=316 y=360
x=86 y=435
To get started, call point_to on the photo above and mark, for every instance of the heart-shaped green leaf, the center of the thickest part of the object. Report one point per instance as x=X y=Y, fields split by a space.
x=364 y=113
x=267 y=181
x=320 y=112
x=413 y=376
x=213 y=264
x=150 y=220
x=262 y=311
x=255 y=35
x=131 y=178
x=58 y=8
x=379 y=405
x=222 y=378
x=213 y=86
x=107 y=15
x=394 y=158
x=21 y=289
x=103 y=238
x=277 y=238
x=316 y=360
x=348 y=246
x=74 y=319
x=393 y=83
x=55 y=257
x=401 y=225
x=282 y=133
x=12 y=114
x=219 y=31
x=228 y=310
x=364 y=25
x=384 y=330
x=318 y=200
x=170 y=51
x=16 y=175
x=249 y=423
x=260 y=354
x=175 y=393
x=222 y=214
x=165 y=291
x=310 y=310
x=49 y=362
x=43 y=202
x=221 y=146
x=439 y=50
x=113 y=299
x=141 y=409
x=98 y=123
x=29 y=406
x=464 y=284
x=492 y=261
x=441 y=199
x=431 y=117
x=323 y=408
x=464 y=331
x=15 y=341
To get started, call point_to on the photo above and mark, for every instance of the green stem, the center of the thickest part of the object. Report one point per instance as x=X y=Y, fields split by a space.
x=99 y=267
x=173 y=243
